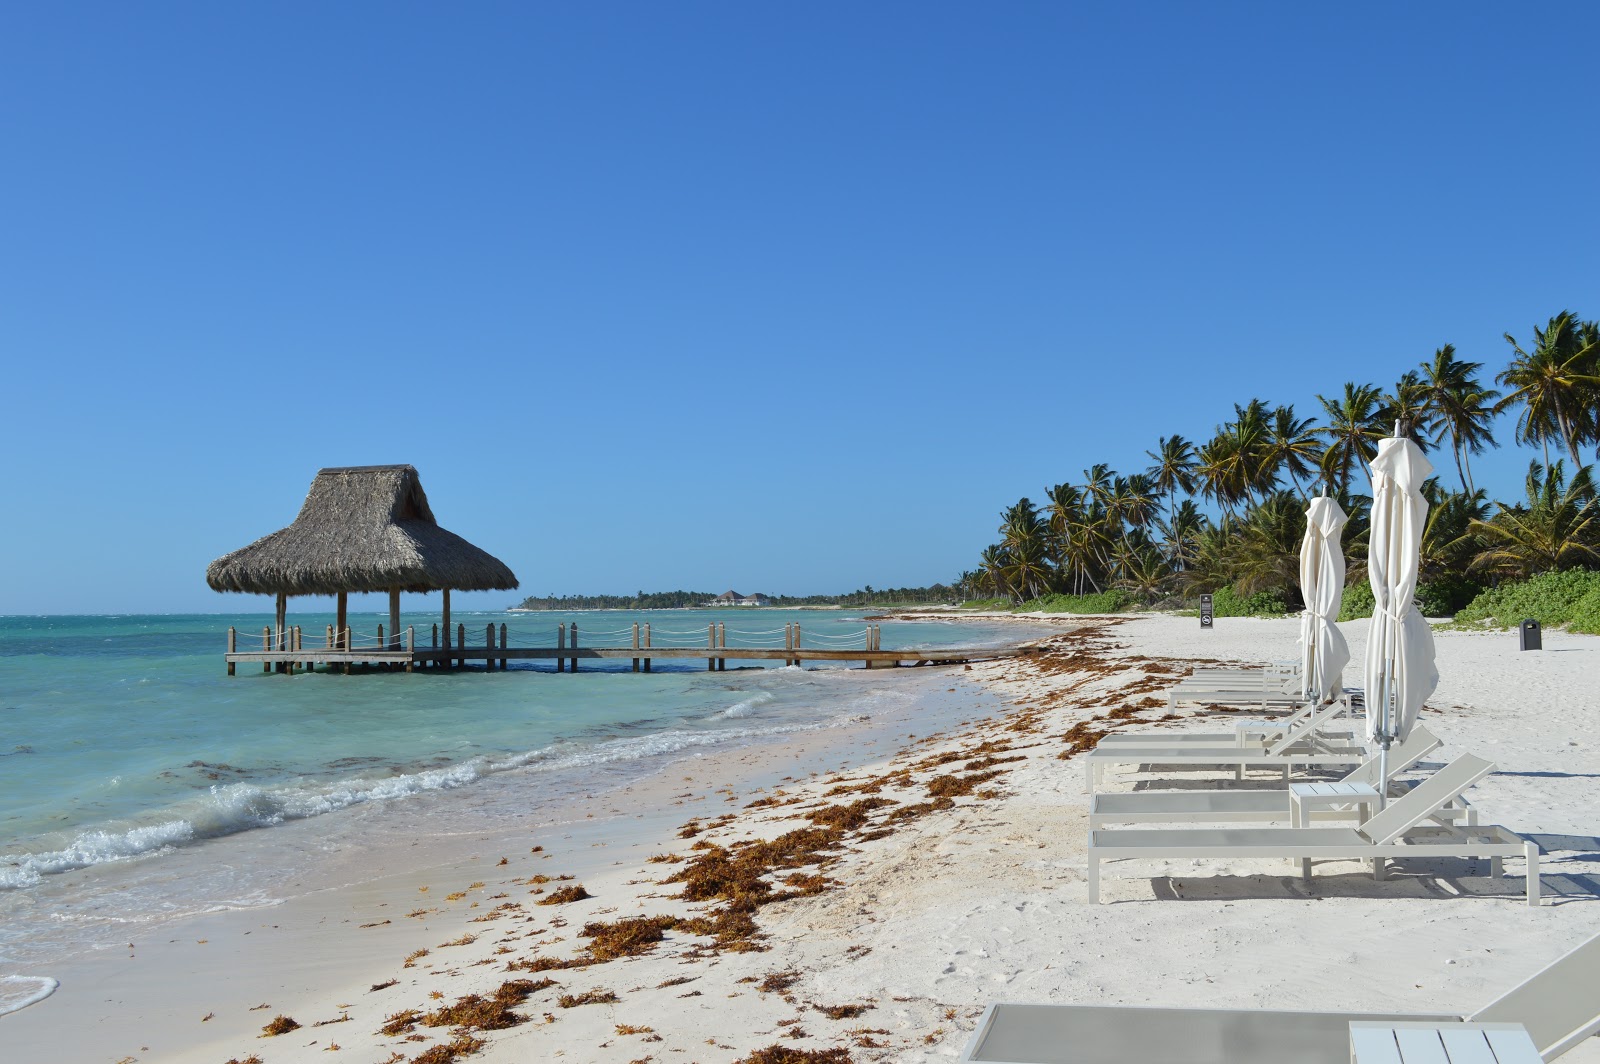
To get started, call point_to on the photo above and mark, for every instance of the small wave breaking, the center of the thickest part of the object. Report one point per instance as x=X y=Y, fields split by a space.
x=17 y=992
x=226 y=809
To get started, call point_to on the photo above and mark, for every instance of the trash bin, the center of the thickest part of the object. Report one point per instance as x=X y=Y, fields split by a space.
x=1528 y=633
x=1205 y=611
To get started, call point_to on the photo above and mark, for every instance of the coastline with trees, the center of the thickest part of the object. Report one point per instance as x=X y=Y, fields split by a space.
x=1226 y=515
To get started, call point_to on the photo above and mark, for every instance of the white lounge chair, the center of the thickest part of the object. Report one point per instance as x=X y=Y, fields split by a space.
x=1558 y=1006
x=1296 y=749
x=1263 y=690
x=1302 y=722
x=1398 y=831
x=1236 y=806
x=1288 y=670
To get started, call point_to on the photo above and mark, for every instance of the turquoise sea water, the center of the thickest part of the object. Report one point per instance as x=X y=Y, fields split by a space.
x=123 y=741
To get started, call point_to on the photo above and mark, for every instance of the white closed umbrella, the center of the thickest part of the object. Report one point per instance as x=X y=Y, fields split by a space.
x=1400 y=671
x=1323 y=650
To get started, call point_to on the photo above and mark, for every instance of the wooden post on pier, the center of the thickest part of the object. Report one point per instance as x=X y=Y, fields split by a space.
x=636 y=645
x=561 y=644
x=722 y=641
x=339 y=620
x=299 y=646
x=344 y=636
x=279 y=636
x=711 y=644
x=394 y=617
x=266 y=644
x=503 y=661
x=411 y=644
x=381 y=643
x=647 y=645
x=444 y=622
x=328 y=638
x=796 y=661
x=488 y=645
x=233 y=648
x=461 y=642
x=574 y=646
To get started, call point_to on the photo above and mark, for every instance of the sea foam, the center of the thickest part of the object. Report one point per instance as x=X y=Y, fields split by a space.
x=227 y=809
x=20 y=991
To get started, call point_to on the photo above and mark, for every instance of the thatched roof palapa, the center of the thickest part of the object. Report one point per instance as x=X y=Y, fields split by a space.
x=362 y=528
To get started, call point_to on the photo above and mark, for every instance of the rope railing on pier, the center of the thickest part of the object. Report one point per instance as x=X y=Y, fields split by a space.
x=434 y=644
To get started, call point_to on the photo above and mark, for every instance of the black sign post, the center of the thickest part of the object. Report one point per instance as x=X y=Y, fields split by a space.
x=1205 y=611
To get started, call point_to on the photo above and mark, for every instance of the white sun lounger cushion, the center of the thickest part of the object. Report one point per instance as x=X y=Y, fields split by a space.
x=1558 y=1006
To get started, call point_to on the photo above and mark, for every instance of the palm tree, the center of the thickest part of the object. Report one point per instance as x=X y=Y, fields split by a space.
x=1460 y=407
x=1448 y=541
x=1407 y=408
x=1134 y=501
x=992 y=565
x=1268 y=549
x=1292 y=446
x=1180 y=531
x=1144 y=572
x=1558 y=528
x=1174 y=468
x=1557 y=384
x=1213 y=461
x=1097 y=485
x=1353 y=432
x=1026 y=569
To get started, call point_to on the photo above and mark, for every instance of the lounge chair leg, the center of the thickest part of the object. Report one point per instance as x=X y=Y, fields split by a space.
x=1094 y=879
x=1088 y=774
x=1305 y=868
x=1377 y=868
x=1238 y=771
x=1497 y=867
x=1531 y=851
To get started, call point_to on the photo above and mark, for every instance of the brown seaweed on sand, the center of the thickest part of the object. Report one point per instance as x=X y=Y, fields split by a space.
x=563 y=895
x=598 y=996
x=777 y=1054
x=462 y=1045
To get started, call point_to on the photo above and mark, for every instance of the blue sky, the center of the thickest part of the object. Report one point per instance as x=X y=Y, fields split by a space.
x=783 y=298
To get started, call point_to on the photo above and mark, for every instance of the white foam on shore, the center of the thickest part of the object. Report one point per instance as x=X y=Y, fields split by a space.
x=227 y=809
x=17 y=992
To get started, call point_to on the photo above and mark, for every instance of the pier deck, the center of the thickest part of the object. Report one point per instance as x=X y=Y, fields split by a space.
x=441 y=656
x=285 y=650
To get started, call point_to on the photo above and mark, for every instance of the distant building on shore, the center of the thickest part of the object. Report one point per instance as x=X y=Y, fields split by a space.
x=733 y=598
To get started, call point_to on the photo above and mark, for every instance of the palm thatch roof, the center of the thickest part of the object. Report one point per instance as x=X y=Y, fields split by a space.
x=362 y=528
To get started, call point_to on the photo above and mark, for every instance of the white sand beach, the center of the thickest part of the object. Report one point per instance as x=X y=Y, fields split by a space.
x=951 y=875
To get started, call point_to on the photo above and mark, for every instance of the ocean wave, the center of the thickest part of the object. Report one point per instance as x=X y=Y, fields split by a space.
x=745 y=706
x=227 y=809
x=19 y=991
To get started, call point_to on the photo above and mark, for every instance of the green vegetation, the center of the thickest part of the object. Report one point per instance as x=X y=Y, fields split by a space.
x=1113 y=601
x=1226 y=515
x=1226 y=602
x=1357 y=602
x=1552 y=599
x=988 y=604
x=677 y=600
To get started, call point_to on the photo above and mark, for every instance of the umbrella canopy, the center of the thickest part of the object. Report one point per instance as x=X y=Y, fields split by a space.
x=1323 y=650
x=1400 y=673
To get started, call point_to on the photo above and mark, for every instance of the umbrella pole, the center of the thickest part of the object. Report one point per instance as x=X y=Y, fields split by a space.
x=1391 y=636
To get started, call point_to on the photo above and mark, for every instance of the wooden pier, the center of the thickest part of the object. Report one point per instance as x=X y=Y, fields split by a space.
x=284 y=650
